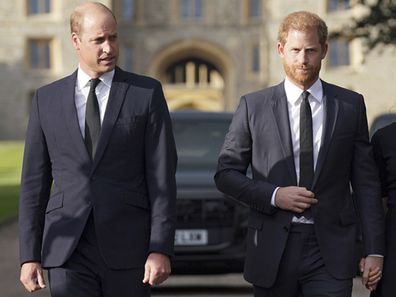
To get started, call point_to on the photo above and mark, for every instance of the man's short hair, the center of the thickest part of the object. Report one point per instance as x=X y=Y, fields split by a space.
x=77 y=17
x=302 y=21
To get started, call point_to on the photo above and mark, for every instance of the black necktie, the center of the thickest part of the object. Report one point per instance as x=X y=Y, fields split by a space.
x=306 y=147
x=92 y=119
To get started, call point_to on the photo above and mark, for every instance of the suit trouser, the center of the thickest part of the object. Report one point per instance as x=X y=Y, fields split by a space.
x=85 y=274
x=302 y=271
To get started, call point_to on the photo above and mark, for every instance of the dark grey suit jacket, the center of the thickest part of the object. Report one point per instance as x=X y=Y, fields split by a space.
x=129 y=185
x=259 y=136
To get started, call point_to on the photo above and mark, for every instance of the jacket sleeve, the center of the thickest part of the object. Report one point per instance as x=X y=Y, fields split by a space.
x=234 y=160
x=366 y=187
x=35 y=188
x=376 y=140
x=161 y=160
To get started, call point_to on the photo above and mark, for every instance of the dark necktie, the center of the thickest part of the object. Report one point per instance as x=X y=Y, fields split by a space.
x=306 y=148
x=92 y=119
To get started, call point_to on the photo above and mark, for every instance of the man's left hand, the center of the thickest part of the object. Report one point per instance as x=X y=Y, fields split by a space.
x=371 y=267
x=157 y=269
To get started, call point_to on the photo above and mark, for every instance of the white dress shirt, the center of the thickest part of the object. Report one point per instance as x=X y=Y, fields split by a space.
x=316 y=101
x=293 y=94
x=81 y=94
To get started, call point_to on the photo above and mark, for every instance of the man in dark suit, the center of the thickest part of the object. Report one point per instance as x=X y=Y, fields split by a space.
x=306 y=142
x=98 y=192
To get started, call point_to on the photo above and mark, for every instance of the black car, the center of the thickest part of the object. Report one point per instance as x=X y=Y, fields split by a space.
x=381 y=121
x=210 y=229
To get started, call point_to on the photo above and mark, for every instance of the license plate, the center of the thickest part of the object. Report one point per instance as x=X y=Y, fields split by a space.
x=191 y=237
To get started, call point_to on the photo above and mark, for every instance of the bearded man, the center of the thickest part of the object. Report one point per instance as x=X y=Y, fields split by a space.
x=306 y=142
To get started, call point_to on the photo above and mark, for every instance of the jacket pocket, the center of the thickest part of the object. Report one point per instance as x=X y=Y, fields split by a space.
x=255 y=221
x=137 y=199
x=129 y=121
x=348 y=218
x=55 y=202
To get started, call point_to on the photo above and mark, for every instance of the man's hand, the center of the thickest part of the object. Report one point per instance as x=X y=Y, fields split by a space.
x=295 y=199
x=32 y=276
x=157 y=269
x=371 y=268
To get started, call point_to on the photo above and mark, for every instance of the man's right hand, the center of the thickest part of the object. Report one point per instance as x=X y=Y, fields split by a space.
x=295 y=199
x=32 y=276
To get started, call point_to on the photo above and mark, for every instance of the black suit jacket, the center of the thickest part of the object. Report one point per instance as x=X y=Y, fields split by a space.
x=129 y=185
x=259 y=136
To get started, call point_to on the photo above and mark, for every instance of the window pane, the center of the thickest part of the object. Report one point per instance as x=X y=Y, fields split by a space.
x=184 y=8
x=39 y=6
x=34 y=55
x=198 y=8
x=333 y=53
x=128 y=9
x=30 y=95
x=346 y=53
x=254 y=8
x=191 y=9
x=334 y=5
x=40 y=54
x=339 y=53
x=47 y=6
x=128 y=58
x=33 y=7
x=256 y=59
x=47 y=55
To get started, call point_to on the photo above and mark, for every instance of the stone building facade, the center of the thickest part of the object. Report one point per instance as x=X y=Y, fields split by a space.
x=207 y=53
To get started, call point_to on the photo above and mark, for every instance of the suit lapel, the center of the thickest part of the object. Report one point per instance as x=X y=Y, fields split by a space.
x=116 y=98
x=70 y=113
x=281 y=118
x=331 y=113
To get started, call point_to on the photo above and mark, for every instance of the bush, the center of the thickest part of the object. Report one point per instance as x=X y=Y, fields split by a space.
x=10 y=173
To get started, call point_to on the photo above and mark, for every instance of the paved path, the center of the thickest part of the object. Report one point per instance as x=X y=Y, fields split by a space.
x=9 y=263
x=178 y=285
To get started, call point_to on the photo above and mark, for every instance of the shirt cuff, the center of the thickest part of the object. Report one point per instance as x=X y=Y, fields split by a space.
x=273 y=197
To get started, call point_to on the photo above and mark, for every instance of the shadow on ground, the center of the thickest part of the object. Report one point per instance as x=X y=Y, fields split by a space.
x=203 y=290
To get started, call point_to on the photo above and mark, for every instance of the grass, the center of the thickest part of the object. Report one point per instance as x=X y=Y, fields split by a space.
x=10 y=173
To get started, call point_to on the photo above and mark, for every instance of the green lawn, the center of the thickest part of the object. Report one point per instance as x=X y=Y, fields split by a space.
x=10 y=173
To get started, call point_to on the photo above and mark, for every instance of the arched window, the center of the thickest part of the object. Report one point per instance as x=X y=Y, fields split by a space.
x=194 y=72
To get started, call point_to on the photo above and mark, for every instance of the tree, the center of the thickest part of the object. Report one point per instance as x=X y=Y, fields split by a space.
x=376 y=26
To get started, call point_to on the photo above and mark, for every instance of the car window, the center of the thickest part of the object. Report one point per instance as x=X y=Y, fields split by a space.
x=382 y=121
x=199 y=142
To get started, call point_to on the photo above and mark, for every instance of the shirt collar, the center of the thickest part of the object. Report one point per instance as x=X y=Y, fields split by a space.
x=293 y=92
x=83 y=78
